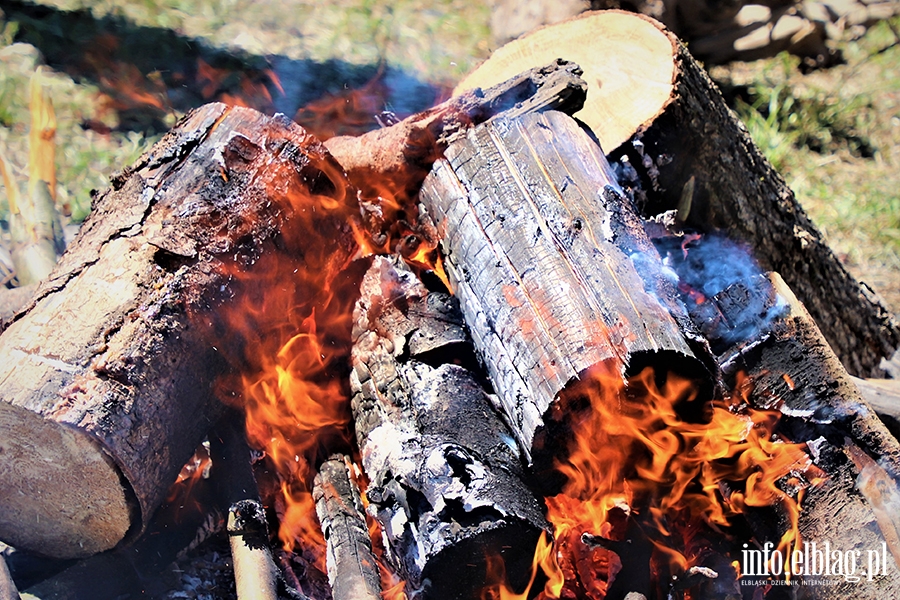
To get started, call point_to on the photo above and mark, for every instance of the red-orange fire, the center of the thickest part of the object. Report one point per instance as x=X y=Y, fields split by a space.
x=645 y=465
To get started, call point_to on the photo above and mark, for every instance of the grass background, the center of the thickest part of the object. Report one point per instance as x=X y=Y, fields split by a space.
x=833 y=134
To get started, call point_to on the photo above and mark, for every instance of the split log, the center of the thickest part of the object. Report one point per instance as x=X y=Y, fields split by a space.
x=106 y=380
x=352 y=566
x=790 y=367
x=648 y=100
x=445 y=475
x=552 y=267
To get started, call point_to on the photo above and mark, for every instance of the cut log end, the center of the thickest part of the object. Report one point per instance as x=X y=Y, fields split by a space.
x=622 y=92
x=62 y=485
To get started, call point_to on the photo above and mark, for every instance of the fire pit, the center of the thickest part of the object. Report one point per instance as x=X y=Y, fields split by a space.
x=463 y=356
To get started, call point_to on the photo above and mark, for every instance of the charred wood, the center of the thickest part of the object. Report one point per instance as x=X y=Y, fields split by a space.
x=352 y=565
x=656 y=105
x=255 y=573
x=781 y=361
x=445 y=475
x=552 y=267
x=103 y=401
x=703 y=164
x=399 y=157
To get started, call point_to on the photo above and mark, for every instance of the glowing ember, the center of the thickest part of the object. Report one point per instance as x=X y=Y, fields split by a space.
x=648 y=465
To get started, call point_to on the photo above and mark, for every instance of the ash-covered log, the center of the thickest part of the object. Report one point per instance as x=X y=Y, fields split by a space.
x=552 y=267
x=649 y=100
x=445 y=474
x=106 y=380
x=352 y=566
x=773 y=353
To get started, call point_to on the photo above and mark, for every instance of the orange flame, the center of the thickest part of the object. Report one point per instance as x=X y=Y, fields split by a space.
x=645 y=454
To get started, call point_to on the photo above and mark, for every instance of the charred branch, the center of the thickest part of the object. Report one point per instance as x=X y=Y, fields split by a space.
x=352 y=565
x=790 y=367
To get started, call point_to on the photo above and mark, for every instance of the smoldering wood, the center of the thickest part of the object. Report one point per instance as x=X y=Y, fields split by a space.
x=790 y=367
x=398 y=158
x=352 y=565
x=551 y=265
x=445 y=474
x=104 y=400
x=737 y=192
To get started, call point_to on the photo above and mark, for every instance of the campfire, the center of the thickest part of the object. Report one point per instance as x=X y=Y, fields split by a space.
x=468 y=355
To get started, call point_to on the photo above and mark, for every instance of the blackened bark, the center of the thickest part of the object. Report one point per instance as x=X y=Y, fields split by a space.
x=782 y=361
x=352 y=565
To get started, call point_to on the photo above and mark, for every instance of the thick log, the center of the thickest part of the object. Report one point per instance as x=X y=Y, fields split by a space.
x=551 y=265
x=445 y=475
x=107 y=379
x=352 y=565
x=649 y=100
x=782 y=362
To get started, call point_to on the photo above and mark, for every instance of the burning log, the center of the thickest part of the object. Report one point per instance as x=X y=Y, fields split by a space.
x=104 y=400
x=773 y=352
x=399 y=157
x=552 y=268
x=352 y=565
x=445 y=475
x=656 y=106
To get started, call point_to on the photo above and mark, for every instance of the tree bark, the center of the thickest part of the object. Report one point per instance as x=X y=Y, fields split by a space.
x=552 y=267
x=106 y=380
x=790 y=367
x=352 y=565
x=445 y=475
x=649 y=100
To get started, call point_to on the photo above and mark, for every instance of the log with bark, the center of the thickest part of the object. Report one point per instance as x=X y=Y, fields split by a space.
x=106 y=379
x=445 y=475
x=780 y=360
x=649 y=101
x=552 y=267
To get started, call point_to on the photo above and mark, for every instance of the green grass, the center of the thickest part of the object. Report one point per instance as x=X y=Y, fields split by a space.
x=84 y=159
x=835 y=136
